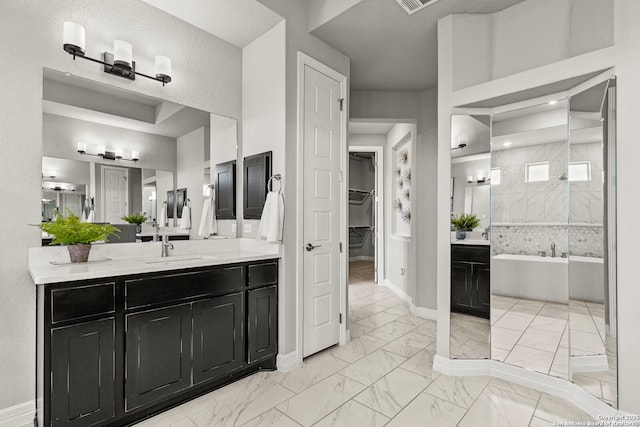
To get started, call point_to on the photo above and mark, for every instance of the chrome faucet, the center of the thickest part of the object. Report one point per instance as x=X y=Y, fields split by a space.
x=485 y=234
x=553 y=250
x=156 y=233
x=166 y=245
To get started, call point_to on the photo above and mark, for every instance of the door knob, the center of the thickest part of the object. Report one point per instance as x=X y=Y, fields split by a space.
x=310 y=247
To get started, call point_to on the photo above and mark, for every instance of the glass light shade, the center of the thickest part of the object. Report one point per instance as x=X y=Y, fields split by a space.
x=118 y=153
x=135 y=155
x=163 y=68
x=122 y=53
x=101 y=150
x=73 y=38
x=82 y=147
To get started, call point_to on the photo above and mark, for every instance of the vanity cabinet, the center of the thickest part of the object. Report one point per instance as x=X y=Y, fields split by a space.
x=111 y=352
x=470 y=280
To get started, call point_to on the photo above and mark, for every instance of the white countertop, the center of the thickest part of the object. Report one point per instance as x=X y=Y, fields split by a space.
x=139 y=258
x=471 y=242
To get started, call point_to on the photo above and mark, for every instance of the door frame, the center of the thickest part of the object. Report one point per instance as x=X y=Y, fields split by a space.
x=306 y=60
x=380 y=249
x=103 y=212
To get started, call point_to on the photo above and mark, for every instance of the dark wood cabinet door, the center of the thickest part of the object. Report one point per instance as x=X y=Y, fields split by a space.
x=482 y=288
x=218 y=336
x=157 y=354
x=262 y=330
x=256 y=173
x=460 y=285
x=226 y=190
x=82 y=373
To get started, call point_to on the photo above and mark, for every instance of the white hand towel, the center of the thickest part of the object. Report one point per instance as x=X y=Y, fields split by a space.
x=162 y=220
x=272 y=219
x=185 y=221
x=208 y=223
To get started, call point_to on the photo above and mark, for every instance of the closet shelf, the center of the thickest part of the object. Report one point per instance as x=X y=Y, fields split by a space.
x=358 y=197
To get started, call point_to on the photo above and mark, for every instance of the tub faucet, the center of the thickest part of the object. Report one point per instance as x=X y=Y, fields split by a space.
x=553 y=250
x=485 y=234
x=166 y=245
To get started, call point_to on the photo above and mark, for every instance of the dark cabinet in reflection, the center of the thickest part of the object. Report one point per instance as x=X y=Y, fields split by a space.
x=470 y=280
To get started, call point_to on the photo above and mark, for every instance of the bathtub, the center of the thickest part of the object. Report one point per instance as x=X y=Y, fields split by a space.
x=586 y=279
x=530 y=277
x=547 y=278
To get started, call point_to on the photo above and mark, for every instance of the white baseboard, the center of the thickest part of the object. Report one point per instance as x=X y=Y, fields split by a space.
x=19 y=415
x=287 y=362
x=593 y=363
x=361 y=258
x=396 y=290
x=545 y=383
x=424 y=312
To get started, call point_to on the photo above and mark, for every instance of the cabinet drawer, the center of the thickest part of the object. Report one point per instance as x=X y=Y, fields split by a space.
x=84 y=301
x=470 y=253
x=176 y=287
x=262 y=274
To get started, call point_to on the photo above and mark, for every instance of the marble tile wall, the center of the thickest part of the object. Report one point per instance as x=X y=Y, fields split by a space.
x=529 y=240
x=517 y=201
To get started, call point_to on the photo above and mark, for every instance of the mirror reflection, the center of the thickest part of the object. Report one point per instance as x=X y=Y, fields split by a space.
x=109 y=153
x=529 y=238
x=470 y=245
x=592 y=290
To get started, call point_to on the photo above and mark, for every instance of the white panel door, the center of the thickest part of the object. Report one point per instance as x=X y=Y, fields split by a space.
x=115 y=194
x=321 y=288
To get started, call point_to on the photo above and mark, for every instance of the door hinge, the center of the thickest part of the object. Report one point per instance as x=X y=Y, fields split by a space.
x=340 y=247
x=340 y=317
x=341 y=101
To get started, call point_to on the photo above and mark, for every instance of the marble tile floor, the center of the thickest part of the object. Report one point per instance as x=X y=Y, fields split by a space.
x=383 y=377
x=530 y=334
x=469 y=337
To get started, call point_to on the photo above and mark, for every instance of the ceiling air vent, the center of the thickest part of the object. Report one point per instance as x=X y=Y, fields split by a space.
x=412 y=6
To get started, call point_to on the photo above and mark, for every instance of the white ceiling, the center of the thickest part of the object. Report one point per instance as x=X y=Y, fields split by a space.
x=238 y=22
x=391 y=50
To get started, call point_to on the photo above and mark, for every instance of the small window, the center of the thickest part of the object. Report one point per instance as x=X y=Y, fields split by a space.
x=537 y=172
x=495 y=176
x=580 y=171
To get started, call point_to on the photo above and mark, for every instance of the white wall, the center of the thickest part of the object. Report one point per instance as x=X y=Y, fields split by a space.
x=322 y=11
x=527 y=35
x=206 y=76
x=263 y=106
x=191 y=174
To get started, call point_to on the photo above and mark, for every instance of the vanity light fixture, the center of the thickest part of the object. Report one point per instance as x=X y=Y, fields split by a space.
x=108 y=155
x=120 y=62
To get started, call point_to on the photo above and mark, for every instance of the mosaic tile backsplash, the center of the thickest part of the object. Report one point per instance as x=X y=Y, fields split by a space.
x=585 y=241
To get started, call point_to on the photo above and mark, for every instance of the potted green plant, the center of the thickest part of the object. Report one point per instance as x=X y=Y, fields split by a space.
x=76 y=235
x=136 y=219
x=463 y=223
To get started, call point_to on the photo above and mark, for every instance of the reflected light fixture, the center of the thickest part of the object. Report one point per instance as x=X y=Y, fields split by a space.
x=507 y=144
x=120 y=62
x=102 y=152
x=553 y=102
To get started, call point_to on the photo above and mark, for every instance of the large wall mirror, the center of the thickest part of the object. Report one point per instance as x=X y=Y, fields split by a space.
x=470 y=248
x=544 y=195
x=109 y=152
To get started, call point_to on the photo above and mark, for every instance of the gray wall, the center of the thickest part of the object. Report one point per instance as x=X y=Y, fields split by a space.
x=208 y=81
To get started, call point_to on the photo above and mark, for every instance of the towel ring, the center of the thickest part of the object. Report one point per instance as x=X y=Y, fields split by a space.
x=273 y=178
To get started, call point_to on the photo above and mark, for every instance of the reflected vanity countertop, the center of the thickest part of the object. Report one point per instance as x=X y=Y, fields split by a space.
x=483 y=242
x=51 y=264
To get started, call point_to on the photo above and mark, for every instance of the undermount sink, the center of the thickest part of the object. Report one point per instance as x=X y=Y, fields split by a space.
x=177 y=259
